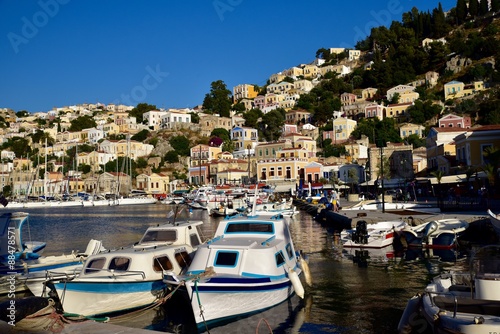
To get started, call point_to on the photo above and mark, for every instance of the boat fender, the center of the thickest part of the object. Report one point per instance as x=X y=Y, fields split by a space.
x=411 y=316
x=297 y=285
x=305 y=269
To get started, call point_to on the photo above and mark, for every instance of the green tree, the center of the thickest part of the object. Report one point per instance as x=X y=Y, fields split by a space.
x=473 y=7
x=22 y=114
x=495 y=5
x=221 y=133
x=139 y=111
x=82 y=122
x=252 y=118
x=171 y=157
x=39 y=137
x=483 y=7
x=416 y=141
x=141 y=135
x=20 y=146
x=84 y=168
x=439 y=27
x=461 y=11
x=272 y=124
x=141 y=162
x=489 y=112
x=395 y=99
x=239 y=108
x=180 y=144
x=228 y=146
x=219 y=100
x=195 y=118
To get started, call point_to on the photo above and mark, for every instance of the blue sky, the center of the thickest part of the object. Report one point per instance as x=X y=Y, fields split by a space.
x=56 y=53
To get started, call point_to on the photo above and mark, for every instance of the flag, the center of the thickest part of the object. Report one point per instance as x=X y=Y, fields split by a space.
x=3 y=200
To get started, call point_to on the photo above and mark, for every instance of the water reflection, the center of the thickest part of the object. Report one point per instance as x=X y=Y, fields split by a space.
x=352 y=292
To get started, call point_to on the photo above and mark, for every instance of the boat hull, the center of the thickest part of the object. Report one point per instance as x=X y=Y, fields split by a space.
x=100 y=298
x=223 y=302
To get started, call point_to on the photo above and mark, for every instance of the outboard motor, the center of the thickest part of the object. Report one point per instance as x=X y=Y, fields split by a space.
x=360 y=236
x=429 y=229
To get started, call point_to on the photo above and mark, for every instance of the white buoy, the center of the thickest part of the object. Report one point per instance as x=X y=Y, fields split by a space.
x=297 y=285
x=305 y=269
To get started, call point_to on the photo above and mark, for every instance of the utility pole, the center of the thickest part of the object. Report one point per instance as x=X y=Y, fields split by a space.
x=382 y=174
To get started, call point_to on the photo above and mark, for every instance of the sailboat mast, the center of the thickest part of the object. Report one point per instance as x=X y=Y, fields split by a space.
x=45 y=173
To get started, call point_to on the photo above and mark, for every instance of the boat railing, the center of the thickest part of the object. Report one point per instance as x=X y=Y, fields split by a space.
x=119 y=273
x=433 y=294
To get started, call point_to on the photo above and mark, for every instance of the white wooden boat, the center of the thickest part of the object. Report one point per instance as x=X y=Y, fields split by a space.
x=250 y=265
x=377 y=235
x=130 y=277
x=31 y=274
x=465 y=302
x=442 y=233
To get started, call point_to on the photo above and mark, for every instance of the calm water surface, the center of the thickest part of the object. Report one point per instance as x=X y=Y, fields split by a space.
x=352 y=292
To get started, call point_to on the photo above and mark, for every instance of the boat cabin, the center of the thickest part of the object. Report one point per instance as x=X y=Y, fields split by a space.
x=250 y=247
x=185 y=232
x=146 y=264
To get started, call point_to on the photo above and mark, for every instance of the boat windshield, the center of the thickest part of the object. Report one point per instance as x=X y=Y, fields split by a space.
x=250 y=228
x=159 y=236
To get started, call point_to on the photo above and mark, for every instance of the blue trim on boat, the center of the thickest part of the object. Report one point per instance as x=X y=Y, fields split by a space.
x=239 y=280
x=111 y=287
x=244 y=288
x=277 y=277
x=54 y=266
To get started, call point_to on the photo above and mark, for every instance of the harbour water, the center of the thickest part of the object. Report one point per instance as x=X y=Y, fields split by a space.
x=352 y=292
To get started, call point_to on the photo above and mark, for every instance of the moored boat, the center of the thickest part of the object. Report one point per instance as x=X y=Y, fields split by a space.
x=130 y=277
x=33 y=273
x=250 y=265
x=465 y=302
x=13 y=246
x=443 y=233
x=377 y=235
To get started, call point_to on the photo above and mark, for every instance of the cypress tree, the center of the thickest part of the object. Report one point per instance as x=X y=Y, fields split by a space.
x=495 y=5
x=473 y=8
x=461 y=11
x=483 y=7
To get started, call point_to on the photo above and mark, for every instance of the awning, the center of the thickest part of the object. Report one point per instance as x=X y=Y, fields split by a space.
x=457 y=178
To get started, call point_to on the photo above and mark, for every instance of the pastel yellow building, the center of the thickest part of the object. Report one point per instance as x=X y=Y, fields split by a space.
x=244 y=91
x=456 y=89
x=397 y=110
x=471 y=146
x=408 y=129
x=342 y=129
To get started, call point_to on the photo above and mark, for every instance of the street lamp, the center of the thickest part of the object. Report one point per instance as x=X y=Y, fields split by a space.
x=345 y=182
